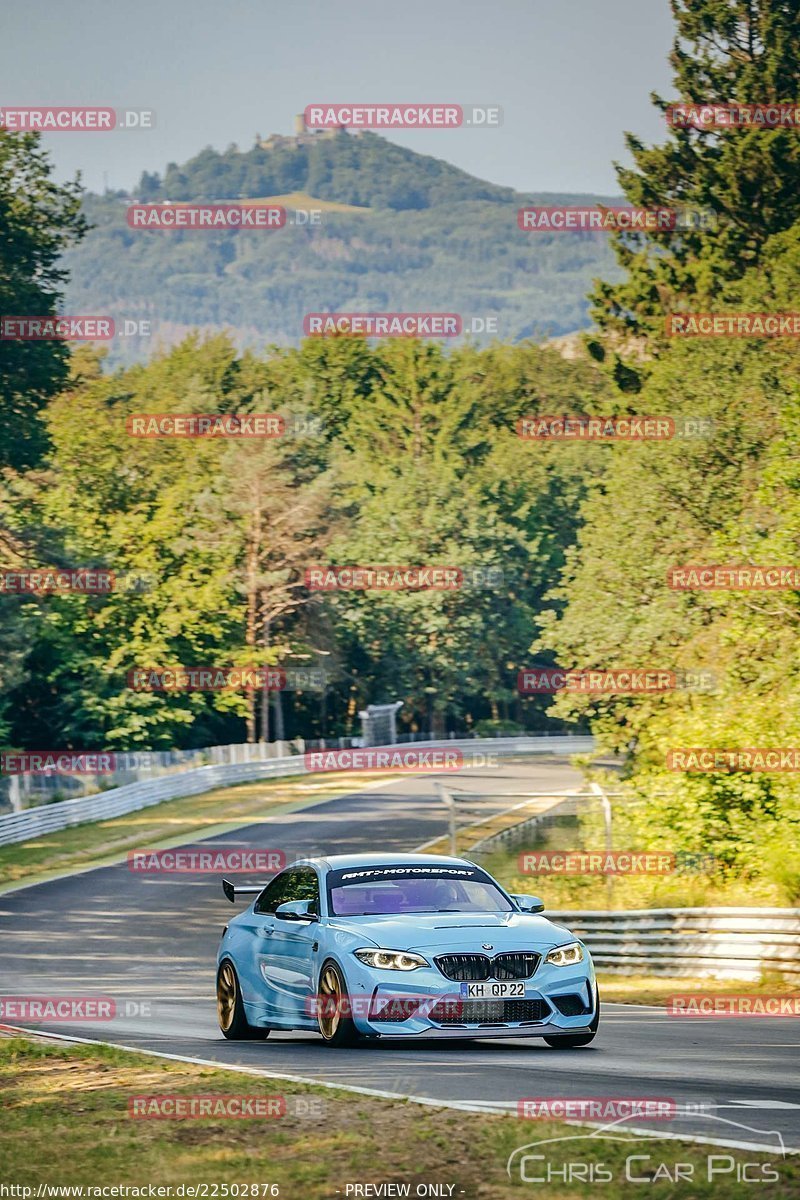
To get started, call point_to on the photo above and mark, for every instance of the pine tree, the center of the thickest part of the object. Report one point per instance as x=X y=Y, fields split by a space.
x=39 y=219
x=745 y=178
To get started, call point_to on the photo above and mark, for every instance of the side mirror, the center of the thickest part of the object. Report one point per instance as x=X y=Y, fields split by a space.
x=296 y=910
x=531 y=904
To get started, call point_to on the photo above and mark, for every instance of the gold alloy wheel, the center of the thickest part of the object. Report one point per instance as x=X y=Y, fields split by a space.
x=330 y=1007
x=226 y=996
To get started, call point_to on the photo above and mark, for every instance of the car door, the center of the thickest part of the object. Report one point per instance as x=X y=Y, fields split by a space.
x=256 y=953
x=288 y=947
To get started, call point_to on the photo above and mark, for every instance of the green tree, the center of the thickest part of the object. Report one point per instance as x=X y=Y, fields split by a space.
x=39 y=219
x=433 y=472
x=177 y=513
x=746 y=179
x=730 y=496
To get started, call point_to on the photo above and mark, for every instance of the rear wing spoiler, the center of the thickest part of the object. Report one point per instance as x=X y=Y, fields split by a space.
x=233 y=892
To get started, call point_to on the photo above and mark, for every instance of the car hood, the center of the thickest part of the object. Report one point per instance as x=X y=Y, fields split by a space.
x=459 y=932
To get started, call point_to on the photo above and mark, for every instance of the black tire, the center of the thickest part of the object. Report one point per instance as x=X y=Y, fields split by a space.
x=335 y=1025
x=571 y=1042
x=230 y=1007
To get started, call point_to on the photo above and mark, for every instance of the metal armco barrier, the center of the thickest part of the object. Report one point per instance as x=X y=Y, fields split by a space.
x=49 y=818
x=720 y=943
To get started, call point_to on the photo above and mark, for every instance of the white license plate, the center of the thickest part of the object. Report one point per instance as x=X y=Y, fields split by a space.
x=491 y=991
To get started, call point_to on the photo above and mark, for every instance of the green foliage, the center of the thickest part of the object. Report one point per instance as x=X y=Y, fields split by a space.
x=38 y=220
x=747 y=179
x=428 y=469
x=364 y=170
x=731 y=497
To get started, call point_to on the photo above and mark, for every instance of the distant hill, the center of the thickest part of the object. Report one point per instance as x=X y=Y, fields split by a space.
x=364 y=170
x=400 y=232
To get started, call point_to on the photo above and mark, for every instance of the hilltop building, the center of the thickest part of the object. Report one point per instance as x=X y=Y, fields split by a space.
x=303 y=136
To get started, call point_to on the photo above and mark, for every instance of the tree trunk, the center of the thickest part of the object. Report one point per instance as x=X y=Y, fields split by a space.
x=252 y=610
x=279 y=727
x=250 y=639
x=265 y=639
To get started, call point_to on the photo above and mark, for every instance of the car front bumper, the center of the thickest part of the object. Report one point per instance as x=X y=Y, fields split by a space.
x=375 y=993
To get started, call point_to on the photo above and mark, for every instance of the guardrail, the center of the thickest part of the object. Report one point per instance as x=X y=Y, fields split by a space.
x=115 y=802
x=32 y=788
x=515 y=834
x=720 y=943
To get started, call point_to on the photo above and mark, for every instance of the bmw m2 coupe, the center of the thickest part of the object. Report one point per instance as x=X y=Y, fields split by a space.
x=400 y=946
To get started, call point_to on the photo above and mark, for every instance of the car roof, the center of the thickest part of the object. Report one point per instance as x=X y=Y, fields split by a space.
x=336 y=862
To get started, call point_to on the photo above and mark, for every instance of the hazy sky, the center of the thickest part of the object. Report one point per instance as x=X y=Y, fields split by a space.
x=570 y=75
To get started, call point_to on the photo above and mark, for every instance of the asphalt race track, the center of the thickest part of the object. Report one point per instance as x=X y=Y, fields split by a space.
x=150 y=941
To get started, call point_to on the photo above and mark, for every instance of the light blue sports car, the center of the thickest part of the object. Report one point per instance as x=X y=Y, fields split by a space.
x=401 y=946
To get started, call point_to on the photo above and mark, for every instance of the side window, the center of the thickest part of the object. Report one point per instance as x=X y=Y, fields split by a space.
x=274 y=893
x=305 y=886
x=297 y=884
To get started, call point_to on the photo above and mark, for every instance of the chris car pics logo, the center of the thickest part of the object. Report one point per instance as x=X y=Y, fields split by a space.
x=595 y=1157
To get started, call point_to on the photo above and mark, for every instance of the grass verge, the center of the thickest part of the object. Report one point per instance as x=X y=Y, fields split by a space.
x=655 y=989
x=682 y=889
x=66 y=1123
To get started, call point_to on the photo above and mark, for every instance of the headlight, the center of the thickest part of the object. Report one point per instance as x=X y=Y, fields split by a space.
x=566 y=956
x=391 y=960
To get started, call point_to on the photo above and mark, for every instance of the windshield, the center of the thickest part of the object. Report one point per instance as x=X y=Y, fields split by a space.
x=384 y=891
